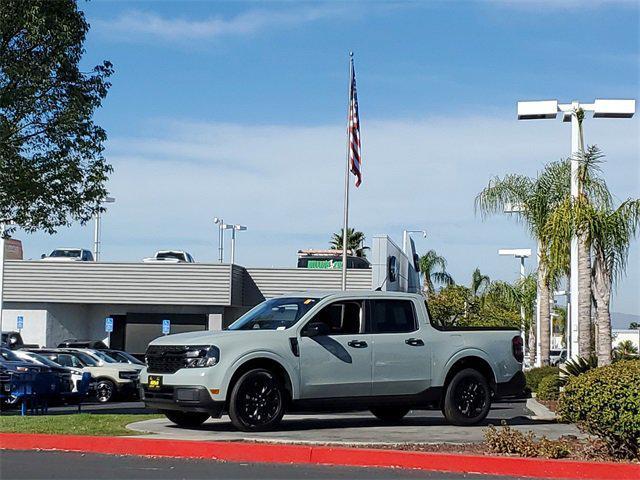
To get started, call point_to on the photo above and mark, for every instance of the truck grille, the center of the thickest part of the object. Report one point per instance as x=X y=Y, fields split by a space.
x=168 y=358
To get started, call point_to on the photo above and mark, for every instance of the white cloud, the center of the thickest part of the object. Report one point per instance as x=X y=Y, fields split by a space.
x=285 y=183
x=138 y=24
x=554 y=5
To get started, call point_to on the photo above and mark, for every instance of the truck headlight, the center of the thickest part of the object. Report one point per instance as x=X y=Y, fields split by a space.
x=203 y=357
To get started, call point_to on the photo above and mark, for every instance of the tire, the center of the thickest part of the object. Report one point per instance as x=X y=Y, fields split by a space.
x=105 y=390
x=186 y=419
x=390 y=414
x=467 y=398
x=257 y=401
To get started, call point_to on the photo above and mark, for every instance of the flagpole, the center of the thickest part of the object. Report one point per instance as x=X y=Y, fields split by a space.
x=345 y=241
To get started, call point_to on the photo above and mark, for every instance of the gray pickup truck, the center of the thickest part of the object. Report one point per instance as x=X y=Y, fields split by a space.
x=332 y=351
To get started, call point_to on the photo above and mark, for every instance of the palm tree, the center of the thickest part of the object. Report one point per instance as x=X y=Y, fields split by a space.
x=479 y=283
x=536 y=199
x=355 y=242
x=625 y=349
x=434 y=271
x=601 y=230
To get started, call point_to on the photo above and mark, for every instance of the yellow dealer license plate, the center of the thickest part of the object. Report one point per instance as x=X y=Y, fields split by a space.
x=155 y=382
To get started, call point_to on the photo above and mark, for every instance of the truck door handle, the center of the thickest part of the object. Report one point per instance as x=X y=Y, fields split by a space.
x=357 y=344
x=414 y=342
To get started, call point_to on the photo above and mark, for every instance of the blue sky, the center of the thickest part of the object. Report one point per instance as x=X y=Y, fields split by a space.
x=237 y=109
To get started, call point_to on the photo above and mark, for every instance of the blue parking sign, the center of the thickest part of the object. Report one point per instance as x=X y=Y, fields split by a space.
x=20 y=322
x=166 y=327
x=108 y=324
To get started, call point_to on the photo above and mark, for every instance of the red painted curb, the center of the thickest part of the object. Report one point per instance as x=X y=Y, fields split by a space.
x=303 y=454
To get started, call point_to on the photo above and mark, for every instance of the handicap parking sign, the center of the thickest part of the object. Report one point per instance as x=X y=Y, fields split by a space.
x=108 y=324
x=20 y=322
x=166 y=327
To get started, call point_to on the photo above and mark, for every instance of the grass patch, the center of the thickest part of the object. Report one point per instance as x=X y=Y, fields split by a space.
x=76 y=424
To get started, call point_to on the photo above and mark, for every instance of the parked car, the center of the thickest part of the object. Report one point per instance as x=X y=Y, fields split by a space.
x=112 y=380
x=170 y=256
x=13 y=341
x=319 y=351
x=75 y=343
x=556 y=357
x=123 y=357
x=68 y=255
x=74 y=375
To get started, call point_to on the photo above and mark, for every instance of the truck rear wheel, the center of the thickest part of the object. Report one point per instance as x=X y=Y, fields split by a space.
x=257 y=401
x=390 y=414
x=186 y=419
x=467 y=398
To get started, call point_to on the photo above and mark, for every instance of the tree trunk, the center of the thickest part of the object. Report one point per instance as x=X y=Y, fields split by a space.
x=532 y=342
x=601 y=288
x=584 y=299
x=545 y=315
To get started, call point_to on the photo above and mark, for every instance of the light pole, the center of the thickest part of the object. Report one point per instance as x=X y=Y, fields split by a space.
x=520 y=253
x=1 y=270
x=220 y=222
x=601 y=109
x=405 y=238
x=234 y=229
x=96 y=231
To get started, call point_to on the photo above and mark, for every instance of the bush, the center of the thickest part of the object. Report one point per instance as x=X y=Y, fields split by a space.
x=535 y=375
x=605 y=402
x=510 y=441
x=549 y=387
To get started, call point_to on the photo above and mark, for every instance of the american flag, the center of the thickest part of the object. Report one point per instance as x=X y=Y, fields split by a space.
x=355 y=161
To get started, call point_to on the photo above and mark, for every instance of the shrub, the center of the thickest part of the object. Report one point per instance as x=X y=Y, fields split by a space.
x=534 y=376
x=549 y=387
x=605 y=402
x=510 y=441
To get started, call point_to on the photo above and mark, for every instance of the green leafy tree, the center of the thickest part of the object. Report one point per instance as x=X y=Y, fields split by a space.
x=52 y=170
x=453 y=303
x=434 y=271
x=625 y=350
x=355 y=242
x=634 y=326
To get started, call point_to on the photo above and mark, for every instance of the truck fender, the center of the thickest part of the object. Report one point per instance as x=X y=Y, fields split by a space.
x=260 y=354
x=465 y=353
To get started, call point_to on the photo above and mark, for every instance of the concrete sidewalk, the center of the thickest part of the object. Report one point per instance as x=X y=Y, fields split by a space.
x=362 y=428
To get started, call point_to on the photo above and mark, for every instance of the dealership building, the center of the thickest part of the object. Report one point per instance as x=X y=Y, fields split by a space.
x=61 y=300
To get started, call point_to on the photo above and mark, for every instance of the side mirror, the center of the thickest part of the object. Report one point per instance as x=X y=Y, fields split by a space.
x=315 y=329
x=44 y=255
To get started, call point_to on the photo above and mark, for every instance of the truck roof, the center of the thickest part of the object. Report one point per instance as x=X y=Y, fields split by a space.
x=338 y=294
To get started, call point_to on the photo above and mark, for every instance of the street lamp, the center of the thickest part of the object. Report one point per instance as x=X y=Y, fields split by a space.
x=601 y=108
x=96 y=232
x=234 y=229
x=2 y=243
x=220 y=222
x=405 y=238
x=520 y=253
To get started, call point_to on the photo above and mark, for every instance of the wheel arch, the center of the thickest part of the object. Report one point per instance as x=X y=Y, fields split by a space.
x=266 y=362
x=471 y=359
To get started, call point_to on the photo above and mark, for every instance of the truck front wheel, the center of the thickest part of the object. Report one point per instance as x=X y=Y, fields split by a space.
x=186 y=419
x=467 y=398
x=257 y=401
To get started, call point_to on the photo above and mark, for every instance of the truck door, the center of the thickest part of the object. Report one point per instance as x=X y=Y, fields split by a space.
x=336 y=363
x=401 y=352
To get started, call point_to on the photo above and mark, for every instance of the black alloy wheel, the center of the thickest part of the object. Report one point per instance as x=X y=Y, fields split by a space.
x=105 y=390
x=467 y=399
x=257 y=401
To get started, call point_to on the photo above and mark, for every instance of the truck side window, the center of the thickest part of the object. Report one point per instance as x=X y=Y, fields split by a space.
x=342 y=318
x=393 y=316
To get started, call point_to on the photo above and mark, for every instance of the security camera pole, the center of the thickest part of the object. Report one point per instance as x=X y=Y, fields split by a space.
x=405 y=238
x=96 y=232
x=601 y=109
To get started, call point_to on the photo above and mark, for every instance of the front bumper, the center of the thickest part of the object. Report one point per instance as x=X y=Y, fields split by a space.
x=185 y=398
x=129 y=389
x=514 y=387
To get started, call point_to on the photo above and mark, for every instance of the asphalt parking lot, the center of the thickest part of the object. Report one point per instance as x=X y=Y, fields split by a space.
x=29 y=465
x=362 y=428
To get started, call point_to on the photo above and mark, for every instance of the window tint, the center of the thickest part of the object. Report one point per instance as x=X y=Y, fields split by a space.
x=67 y=360
x=392 y=316
x=274 y=314
x=342 y=318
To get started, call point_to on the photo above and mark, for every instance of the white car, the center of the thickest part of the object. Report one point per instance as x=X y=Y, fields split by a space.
x=170 y=256
x=68 y=255
x=111 y=379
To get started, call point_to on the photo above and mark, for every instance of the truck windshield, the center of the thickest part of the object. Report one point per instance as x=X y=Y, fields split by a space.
x=65 y=253
x=275 y=314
